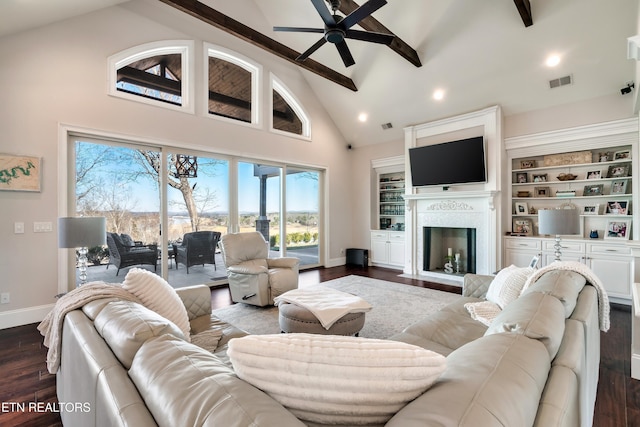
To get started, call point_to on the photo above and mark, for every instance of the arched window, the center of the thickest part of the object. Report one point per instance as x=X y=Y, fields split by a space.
x=288 y=115
x=158 y=73
x=232 y=85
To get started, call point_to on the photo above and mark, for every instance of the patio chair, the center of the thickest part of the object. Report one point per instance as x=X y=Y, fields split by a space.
x=254 y=278
x=198 y=248
x=122 y=255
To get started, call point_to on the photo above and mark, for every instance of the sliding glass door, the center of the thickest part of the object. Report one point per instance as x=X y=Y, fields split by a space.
x=259 y=207
x=153 y=197
x=303 y=216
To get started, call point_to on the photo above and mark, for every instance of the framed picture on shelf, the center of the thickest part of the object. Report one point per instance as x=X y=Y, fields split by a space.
x=540 y=178
x=522 y=177
x=619 y=186
x=591 y=209
x=527 y=164
x=521 y=208
x=594 y=175
x=617 y=171
x=618 y=229
x=522 y=227
x=605 y=156
x=622 y=155
x=542 y=192
x=617 y=207
x=593 y=190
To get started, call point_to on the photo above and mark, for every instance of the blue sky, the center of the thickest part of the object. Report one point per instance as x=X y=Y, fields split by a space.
x=143 y=194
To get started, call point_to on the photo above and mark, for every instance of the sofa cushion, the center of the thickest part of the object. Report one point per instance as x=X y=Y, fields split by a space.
x=507 y=285
x=563 y=284
x=328 y=379
x=157 y=295
x=184 y=385
x=451 y=328
x=126 y=325
x=535 y=315
x=496 y=380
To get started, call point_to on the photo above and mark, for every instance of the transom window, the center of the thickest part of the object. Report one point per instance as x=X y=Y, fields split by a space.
x=288 y=115
x=156 y=73
x=232 y=85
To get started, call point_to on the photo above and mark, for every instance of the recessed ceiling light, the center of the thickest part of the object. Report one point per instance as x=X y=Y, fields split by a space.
x=438 y=94
x=552 y=60
x=363 y=117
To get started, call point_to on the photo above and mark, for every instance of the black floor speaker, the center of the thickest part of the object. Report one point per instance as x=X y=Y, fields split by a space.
x=358 y=257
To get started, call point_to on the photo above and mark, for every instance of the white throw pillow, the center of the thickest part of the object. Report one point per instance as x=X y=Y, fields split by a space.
x=158 y=295
x=329 y=379
x=508 y=284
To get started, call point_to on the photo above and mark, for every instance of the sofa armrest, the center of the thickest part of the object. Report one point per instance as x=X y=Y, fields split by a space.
x=476 y=285
x=196 y=299
x=289 y=262
x=252 y=270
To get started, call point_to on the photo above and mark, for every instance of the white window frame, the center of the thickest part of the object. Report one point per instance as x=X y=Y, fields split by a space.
x=182 y=47
x=211 y=50
x=283 y=90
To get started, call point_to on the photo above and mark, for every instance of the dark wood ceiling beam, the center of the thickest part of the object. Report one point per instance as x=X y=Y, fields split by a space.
x=219 y=20
x=524 y=7
x=371 y=24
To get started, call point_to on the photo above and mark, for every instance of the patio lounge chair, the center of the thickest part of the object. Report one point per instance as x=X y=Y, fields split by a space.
x=122 y=255
x=198 y=248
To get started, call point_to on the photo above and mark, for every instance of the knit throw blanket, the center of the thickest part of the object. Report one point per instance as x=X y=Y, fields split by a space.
x=51 y=326
x=603 y=298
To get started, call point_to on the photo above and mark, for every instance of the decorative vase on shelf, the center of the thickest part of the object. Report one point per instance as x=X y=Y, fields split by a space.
x=593 y=234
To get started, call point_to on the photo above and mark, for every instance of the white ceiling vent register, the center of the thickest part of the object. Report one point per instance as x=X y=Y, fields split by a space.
x=562 y=81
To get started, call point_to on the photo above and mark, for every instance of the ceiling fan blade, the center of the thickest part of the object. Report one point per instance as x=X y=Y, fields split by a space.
x=299 y=29
x=312 y=49
x=345 y=54
x=362 y=12
x=369 y=36
x=324 y=12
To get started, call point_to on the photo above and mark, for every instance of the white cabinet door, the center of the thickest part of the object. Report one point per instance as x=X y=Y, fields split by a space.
x=378 y=252
x=615 y=273
x=519 y=257
x=396 y=253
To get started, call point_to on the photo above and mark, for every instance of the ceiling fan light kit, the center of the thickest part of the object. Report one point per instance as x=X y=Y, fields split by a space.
x=337 y=29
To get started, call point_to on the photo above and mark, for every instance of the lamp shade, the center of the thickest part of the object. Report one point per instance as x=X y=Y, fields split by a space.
x=558 y=221
x=78 y=232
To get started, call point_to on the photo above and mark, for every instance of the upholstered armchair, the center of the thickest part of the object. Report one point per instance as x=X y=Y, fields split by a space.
x=123 y=255
x=198 y=248
x=254 y=278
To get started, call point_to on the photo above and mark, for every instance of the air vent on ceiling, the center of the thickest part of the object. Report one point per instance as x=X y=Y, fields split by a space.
x=562 y=81
x=386 y=126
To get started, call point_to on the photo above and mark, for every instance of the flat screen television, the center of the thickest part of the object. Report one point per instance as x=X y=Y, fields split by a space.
x=455 y=162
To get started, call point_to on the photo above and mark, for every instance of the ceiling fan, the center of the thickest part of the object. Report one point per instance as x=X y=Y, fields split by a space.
x=337 y=29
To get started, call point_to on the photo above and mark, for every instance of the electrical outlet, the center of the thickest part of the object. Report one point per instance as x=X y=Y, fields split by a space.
x=341 y=251
x=5 y=298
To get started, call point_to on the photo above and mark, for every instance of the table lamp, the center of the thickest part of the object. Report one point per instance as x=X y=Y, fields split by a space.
x=83 y=233
x=558 y=221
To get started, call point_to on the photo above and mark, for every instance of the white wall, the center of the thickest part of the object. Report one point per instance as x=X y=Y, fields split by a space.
x=57 y=75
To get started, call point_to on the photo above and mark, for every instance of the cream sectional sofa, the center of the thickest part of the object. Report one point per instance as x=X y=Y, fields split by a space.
x=536 y=365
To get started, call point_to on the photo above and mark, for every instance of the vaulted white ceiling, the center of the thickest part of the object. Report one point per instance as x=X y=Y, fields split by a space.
x=478 y=52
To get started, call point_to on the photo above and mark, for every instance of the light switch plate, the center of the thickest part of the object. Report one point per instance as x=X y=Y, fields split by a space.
x=18 y=227
x=42 y=227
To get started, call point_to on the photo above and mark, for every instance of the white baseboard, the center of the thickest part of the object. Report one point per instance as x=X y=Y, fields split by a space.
x=336 y=262
x=635 y=366
x=24 y=316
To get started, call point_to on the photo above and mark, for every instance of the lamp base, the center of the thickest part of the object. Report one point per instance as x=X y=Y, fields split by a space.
x=82 y=266
x=557 y=248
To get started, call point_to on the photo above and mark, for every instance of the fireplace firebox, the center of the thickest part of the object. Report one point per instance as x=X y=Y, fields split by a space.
x=440 y=243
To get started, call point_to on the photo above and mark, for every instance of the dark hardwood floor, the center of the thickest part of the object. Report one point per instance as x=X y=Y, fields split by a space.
x=24 y=378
